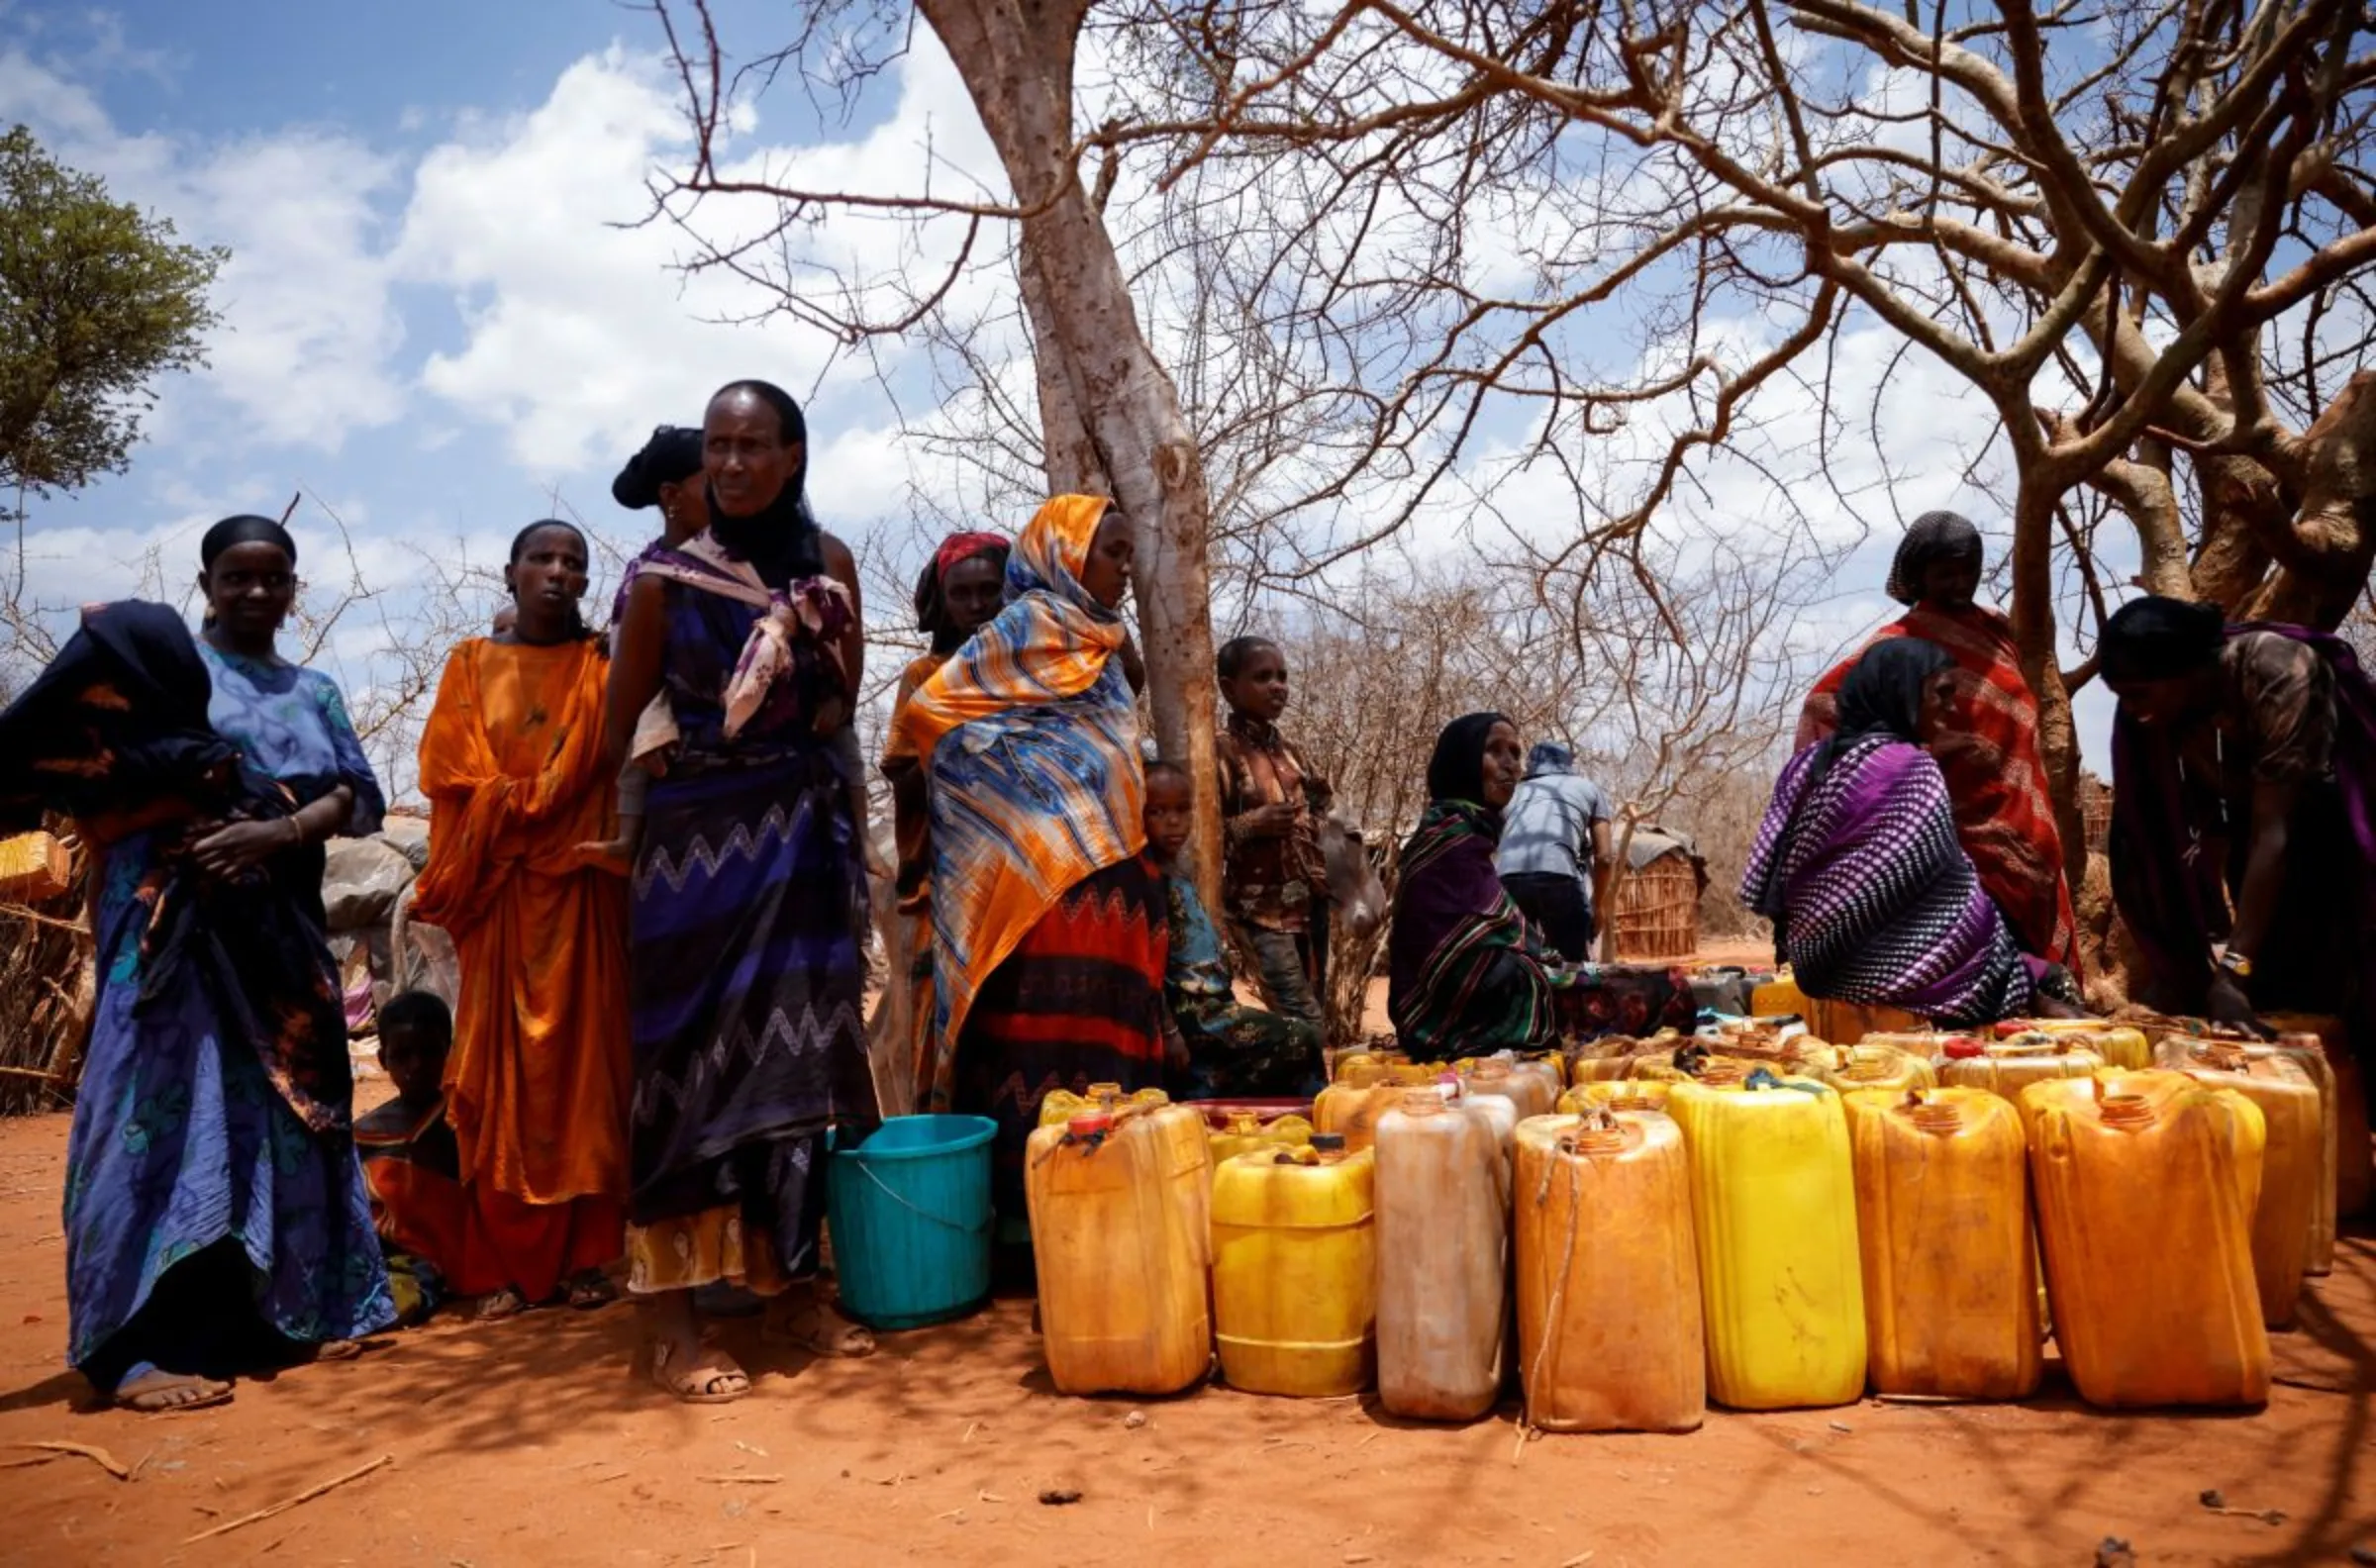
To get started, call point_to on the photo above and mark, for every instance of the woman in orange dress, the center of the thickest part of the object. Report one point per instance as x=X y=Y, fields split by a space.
x=521 y=807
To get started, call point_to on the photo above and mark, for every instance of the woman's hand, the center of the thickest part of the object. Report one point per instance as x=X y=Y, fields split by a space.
x=2226 y=1003
x=2048 y=1007
x=1276 y=821
x=242 y=847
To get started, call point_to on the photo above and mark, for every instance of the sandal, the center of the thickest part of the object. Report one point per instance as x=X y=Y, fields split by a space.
x=719 y=1382
x=590 y=1290
x=505 y=1303
x=152 y=1391
x=822 y=1331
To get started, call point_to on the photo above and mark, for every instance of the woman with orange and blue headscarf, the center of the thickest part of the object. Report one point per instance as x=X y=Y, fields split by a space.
x=960 y=590
x=1049 y=924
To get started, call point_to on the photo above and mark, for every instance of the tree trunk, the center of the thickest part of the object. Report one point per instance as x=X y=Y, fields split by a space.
x=1109 y=415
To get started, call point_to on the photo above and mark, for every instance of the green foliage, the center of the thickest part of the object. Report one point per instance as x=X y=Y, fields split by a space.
x=96 y=303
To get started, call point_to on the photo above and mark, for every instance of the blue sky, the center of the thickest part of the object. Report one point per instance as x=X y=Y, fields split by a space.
x=434 y=326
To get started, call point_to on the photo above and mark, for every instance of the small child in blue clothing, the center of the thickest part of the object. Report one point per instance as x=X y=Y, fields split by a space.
x=1234 y=1051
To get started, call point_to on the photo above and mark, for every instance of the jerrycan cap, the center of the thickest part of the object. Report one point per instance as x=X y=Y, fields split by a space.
x=1329 y=1142
x=1089 y=1124
x=1961 y=1047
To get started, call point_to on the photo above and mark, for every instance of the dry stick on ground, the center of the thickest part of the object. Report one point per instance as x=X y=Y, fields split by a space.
x=307 y=1496
x=99 y=1456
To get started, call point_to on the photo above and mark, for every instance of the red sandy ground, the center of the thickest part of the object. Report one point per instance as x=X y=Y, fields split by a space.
x=527 y=1442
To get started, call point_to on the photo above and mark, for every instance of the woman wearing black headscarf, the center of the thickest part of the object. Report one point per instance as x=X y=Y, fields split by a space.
x=216 y=1217
x=1857 y=864
x=1987 y=743
x=744 y=970
x=2243 y=776
x=1465 y=971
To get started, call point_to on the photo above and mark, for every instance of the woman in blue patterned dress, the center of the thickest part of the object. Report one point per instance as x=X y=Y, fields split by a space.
x=216 y=1217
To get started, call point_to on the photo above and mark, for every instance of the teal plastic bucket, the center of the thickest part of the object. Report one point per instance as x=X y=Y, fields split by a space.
x=910 y=1208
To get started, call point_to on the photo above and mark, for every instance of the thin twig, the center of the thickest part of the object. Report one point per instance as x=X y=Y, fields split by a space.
x=307 y=1496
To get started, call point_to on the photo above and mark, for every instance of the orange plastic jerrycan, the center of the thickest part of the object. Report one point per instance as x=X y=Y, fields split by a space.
x=1608 y=1326
x=2293 y=1169
x=1774 y=1210
x=1872 y=1066
x=1942 y=1221
x=1295 y=1269
x=1355 y=1112
x=2354 y=1174
x=1617 y=1094
x=1442 y=1221
x=1123 y=1288
x=2145 y=1185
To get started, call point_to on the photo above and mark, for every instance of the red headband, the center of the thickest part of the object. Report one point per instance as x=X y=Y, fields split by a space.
x=964 y=547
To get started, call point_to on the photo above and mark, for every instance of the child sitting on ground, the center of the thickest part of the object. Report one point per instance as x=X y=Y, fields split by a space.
x=410 y=1159
x=1233 y=1052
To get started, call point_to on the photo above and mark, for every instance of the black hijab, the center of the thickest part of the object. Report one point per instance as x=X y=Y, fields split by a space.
x=781 y=540
x=1883 y=696
x=118 y=718
x=2156 y=639
x=1456 y=770
x=1932 y=536
x=671 y=456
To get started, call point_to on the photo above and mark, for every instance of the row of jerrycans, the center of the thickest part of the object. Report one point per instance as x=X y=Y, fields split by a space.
x=1768 y=1241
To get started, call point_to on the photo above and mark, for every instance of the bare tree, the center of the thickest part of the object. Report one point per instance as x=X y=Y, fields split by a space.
x=1109 y=413
x=2146 y=250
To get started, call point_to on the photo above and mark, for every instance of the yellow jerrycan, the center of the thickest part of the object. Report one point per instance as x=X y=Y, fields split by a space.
x=1871 y=1065
x=1607 y=1057
x=1358 y=1069
x=1355 y=1112
x=1608 y=1326
x=2145 y=1185
x=1442 y=1220
x=2293 y=1168
x=2009 y=1066
x=2185 y=1054
x=1245 y=1132
x=1295 y=1294
x=1616 y=1094
x=2120 y=1045
x=1123 y=1286
x=1529 y=1093
x=1774 y=1210
x=1950 y=1264
x=1060 y=1106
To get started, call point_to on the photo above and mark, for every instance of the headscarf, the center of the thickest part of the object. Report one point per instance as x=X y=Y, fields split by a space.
x=781 y=540
x=118 y=718
x=244 y=529
x=1051 y=641
x=1456 y=770
x=1932 y=536
x=2156 y=639
x=932 y=610
x=1032 y=740
x=1883 y=696
x=671 y=456
x=1550 y=757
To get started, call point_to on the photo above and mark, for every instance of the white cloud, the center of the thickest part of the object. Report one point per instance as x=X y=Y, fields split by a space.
x=303 y=355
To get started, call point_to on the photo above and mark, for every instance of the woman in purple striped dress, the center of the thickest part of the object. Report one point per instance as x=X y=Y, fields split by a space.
x=1857 y=863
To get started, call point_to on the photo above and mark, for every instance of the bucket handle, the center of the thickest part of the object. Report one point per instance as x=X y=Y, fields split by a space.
x=899 y=1197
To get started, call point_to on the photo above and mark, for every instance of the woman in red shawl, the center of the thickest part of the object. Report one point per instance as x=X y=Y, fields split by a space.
x=1988 y=749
